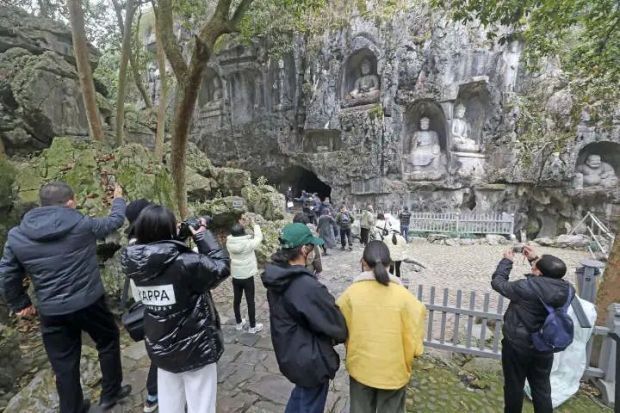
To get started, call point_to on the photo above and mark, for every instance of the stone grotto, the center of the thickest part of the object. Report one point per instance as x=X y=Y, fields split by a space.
x=409 y=111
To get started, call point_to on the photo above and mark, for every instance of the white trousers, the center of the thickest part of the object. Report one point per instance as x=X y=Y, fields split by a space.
x=197 y=388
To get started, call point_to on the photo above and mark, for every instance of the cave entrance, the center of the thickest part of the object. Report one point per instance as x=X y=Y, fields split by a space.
x=301 y=179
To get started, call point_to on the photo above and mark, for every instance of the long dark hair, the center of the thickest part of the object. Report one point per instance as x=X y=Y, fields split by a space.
x=377 y=256
x=155 y=223
x=237 y=230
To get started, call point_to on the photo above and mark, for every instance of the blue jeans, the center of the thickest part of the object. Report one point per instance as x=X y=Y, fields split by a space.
x=308 y=399
x=404 y=230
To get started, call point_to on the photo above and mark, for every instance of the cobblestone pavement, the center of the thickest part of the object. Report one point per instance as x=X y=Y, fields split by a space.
x=248 y=375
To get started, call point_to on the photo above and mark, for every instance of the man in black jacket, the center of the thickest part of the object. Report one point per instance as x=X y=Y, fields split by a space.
x=57 y=246
x=405 y=220
x=305 y=321
x=525 y=315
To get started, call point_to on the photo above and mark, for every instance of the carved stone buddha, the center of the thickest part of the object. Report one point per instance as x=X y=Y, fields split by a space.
x=460 y=132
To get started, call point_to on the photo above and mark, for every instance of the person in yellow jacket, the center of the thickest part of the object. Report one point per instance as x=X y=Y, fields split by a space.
x=386 y=332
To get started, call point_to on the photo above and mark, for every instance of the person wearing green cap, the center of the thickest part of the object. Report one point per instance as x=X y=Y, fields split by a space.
x=306 y=324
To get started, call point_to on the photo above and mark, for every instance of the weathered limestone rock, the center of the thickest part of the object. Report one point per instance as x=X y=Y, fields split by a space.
x=10 y=358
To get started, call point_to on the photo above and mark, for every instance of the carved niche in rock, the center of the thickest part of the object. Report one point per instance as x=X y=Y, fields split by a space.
x=360 y=83
x=597 y=165
x=282 y=76
x=321 y=140
x=246 y=95
x=461 y=132
x=472 y=106
x=211 y=95
x=425 y=142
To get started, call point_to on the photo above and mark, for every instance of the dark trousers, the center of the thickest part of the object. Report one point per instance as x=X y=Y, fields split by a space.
x=308 y=399
x=530 y=365
x=366 y=399
x=62 y=338
x=345 y=234
x=151 y=381
x=395 y=266
x=239 y=288
x=404 y=230
x=364 y=233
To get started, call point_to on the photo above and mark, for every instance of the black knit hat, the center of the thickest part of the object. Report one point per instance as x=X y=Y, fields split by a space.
x=134 y=208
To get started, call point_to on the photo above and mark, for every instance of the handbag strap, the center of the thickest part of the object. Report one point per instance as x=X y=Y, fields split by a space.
x=125 y=293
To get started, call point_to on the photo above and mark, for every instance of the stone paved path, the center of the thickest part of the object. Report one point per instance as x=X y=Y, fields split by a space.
x=249 y=379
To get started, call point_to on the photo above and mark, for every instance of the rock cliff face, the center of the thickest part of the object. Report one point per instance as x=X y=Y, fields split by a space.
x=414 y=111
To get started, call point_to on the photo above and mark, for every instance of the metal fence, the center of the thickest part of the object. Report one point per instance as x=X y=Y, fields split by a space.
x=472 y=325
x=462 y=223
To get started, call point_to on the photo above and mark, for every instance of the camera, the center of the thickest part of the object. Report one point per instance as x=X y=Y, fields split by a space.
x=518 y=249
x=184 y=229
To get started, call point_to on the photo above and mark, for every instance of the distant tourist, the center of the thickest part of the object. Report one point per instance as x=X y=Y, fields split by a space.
x=522 y=357
x=305 y=321
x=405 y=220
x=382 y=227
x=181 y=325
x=367 y=223
x=57 y=247
x=398 y=251
x=243 y=267
x=386 y=331
x=315 y=262
x=345 y=219
x=326 y=230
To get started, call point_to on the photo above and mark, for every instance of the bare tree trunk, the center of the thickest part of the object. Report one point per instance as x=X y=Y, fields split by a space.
x=189 y=77
x=80 y=48
x=2 y=150
x=609 y=289
x=163 y=98
x=122 y=73
x=135 y=70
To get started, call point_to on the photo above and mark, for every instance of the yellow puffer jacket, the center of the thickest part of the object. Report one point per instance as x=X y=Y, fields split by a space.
x=386 y=331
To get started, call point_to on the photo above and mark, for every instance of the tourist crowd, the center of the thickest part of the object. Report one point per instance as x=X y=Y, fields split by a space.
x=176 y=316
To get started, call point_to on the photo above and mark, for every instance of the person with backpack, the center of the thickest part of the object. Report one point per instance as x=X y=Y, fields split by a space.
x=382 y=227
x=405 y=220
x=398 y=251
x=306 y=324
x=386 y=331
x=344 y=219
x=536 y=324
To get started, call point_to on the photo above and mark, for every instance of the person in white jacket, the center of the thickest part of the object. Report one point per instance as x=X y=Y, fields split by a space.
x=243 y=267
x=398 y=251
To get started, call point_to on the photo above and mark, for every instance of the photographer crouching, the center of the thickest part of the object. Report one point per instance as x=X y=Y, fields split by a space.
x=536 y=325
x=181 y=324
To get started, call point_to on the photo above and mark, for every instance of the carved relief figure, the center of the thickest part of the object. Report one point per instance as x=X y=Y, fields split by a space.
x=460 y=132
x=366 y=87
x=595 y=172
x=425 y=149
x=511 y=65
x=216 y=100
x=280 y=87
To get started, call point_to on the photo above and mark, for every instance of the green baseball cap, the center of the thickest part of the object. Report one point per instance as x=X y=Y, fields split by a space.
x=296 y=235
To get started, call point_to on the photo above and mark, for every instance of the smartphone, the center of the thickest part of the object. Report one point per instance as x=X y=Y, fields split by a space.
x=518 y=249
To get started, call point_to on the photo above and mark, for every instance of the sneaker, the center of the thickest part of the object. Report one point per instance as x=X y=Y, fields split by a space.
x=256 y=329
x=107 y=404
x=150 y=406
x=240 y=325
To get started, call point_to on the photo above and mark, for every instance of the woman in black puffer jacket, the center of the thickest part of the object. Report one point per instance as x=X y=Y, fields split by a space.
x=181 y=324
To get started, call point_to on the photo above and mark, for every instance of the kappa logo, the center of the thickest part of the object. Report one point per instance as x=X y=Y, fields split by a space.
x=157 y=295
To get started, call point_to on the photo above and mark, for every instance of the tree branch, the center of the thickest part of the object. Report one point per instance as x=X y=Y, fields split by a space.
x=242 y=8
x=164 y=20
x=222 y=10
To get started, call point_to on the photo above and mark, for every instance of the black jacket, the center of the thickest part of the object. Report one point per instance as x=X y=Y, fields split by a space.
x=57 y=247
x=305 y=325
x=526 y=314
x=181 y=324
x=404 y=218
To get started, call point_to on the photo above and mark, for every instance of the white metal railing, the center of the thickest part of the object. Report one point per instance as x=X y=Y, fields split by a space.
x=600 y=233
x=451 y=327
x=462 y=223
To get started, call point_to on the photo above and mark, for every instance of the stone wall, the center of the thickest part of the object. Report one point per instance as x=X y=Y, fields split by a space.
x=352 y=112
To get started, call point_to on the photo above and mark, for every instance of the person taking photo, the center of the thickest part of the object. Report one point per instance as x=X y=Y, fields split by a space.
x=526 y=314
x=181 y=324
x=57 y=247
x=243 y=267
